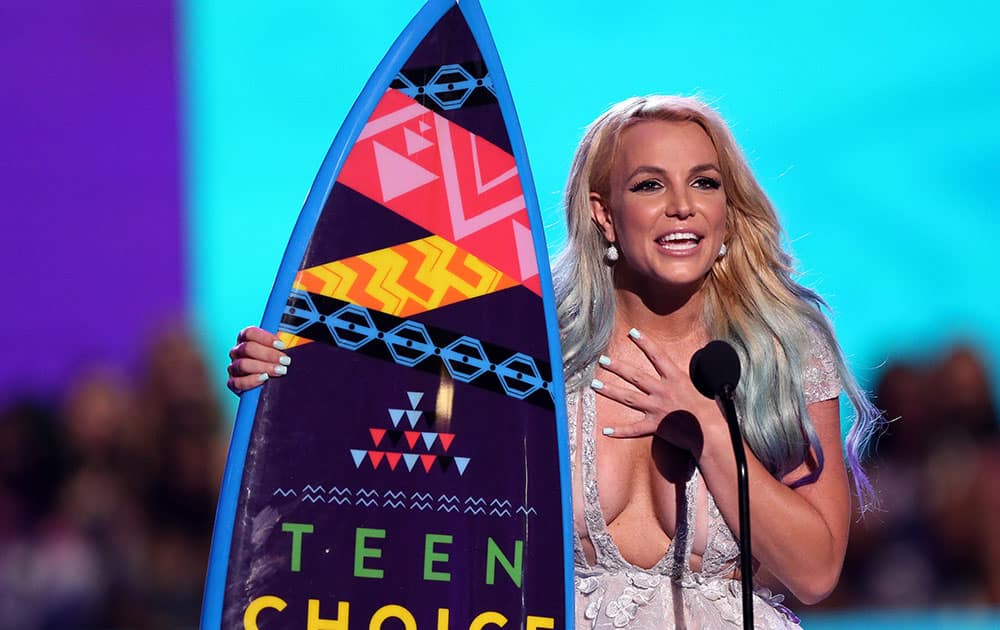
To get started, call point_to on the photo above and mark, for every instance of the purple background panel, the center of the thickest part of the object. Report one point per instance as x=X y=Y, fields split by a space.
x=90 y=210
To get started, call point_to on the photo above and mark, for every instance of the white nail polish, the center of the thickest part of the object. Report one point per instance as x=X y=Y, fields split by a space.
x=597 y=384
x=285 y=360
x=635 y=334
x=608 y=431
x=279 y=344
x=603 y=360
x=280 y=370
x=263 y=377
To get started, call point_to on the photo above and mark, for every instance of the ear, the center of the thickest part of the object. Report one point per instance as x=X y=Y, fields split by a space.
x=601 y=215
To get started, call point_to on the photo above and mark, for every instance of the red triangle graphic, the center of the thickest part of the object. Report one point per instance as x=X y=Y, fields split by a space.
x=377 y=435
x=393 y=459
x=446 y=439
x=412 y=437
x=376 y=457
x=427 y=461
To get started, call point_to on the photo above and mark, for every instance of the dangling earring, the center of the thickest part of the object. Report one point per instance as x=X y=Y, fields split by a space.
x=611 y=255
x=723 y=250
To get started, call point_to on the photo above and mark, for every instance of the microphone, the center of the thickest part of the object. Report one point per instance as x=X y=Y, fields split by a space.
x=715 y=370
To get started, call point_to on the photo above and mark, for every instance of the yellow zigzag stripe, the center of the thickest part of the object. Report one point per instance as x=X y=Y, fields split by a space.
x=406 y=279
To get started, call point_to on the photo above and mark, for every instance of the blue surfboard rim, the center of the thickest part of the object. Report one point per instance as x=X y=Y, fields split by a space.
x=401 y=49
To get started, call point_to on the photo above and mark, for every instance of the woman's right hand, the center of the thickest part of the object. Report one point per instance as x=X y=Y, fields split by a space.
x=255 y=358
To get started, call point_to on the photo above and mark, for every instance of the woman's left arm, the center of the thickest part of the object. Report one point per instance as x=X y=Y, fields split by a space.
x=800 y=534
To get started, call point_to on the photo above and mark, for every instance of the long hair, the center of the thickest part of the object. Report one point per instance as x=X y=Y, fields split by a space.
x=751 y=297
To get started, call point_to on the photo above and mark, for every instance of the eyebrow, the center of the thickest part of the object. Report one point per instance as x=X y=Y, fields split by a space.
x=645 y=168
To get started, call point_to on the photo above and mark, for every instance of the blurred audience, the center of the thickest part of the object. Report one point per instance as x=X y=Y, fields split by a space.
x=934 y=542
x=107 y=502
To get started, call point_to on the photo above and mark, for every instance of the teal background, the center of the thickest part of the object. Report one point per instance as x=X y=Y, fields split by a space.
x=873 y=127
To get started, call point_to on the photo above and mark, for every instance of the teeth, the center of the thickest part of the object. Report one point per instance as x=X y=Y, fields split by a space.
x=679 y=236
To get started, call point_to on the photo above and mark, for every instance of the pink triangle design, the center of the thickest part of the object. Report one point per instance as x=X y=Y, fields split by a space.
x=423 y=126
x=415 y=143
x=397 y=174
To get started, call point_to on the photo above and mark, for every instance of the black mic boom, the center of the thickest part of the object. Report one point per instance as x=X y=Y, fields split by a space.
x=715 y=369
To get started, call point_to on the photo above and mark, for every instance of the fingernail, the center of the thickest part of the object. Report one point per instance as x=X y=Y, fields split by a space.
x=279 y=344
x=597 y=384
x=285 y=360
x=608 y=431
x=635 y=334
x=280 y=370
x=262 y=377
x=603 y=360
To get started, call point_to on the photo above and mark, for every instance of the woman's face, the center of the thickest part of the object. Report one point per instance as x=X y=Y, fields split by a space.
x=666 y=210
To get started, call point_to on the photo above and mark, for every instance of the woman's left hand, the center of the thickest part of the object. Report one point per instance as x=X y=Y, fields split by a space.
x=665 y=399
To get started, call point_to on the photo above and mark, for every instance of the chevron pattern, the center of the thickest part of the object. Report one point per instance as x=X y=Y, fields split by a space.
x=406 y=279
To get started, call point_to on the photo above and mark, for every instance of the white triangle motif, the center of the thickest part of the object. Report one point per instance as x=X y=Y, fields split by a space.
x=414 y=142
x=397 y=174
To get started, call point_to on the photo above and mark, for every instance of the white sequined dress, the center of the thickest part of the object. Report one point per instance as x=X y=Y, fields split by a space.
x=612 y=593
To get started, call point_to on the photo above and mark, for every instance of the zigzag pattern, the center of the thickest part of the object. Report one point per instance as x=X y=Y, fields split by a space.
x=420 y=501
x=406 y=279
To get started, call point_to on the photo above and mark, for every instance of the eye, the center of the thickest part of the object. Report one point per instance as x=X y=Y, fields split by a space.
x=646 y=185
x=707 y=183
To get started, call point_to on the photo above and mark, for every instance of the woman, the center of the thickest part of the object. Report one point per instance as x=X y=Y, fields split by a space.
x=672 y=243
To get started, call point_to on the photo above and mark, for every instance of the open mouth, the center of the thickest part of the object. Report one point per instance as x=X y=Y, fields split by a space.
x=679 y=241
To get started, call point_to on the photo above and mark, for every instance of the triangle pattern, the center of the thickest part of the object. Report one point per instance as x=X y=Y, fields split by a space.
x=397 y=174
x=444 y=461
x=412 y=415
x=376 y=457
x=415 y=398
x=412 y=437
x=414 y=142
x=446 y=439
x=423 y=126
x=396 y=415
x=461 y=462
x=393 y=459
x=377 y=435
x=358 y=456
x=428 y=461
x=428 y=439
x=410 y=459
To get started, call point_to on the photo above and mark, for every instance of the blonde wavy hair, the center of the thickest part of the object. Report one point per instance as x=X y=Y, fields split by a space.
x=751 y=297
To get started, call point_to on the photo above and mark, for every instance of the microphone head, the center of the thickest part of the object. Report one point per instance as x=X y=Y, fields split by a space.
x=715 y=369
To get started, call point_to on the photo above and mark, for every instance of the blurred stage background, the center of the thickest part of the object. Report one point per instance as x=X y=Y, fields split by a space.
x=154 y=155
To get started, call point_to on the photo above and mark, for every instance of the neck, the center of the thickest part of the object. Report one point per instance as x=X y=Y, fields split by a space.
x=668 y=315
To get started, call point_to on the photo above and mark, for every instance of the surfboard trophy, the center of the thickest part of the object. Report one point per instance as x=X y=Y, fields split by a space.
x=411 y=470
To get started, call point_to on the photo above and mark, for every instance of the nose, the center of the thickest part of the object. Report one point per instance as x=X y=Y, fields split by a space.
x=679 y=205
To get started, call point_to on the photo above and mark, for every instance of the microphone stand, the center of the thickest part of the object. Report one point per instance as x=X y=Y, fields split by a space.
x=725 y=398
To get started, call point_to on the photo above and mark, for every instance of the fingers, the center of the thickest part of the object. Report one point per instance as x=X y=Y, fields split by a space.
x=643 y=428
x=642 y=381
x=619 y=393
x=240 y=384
x=255 y=358
x=663 y=365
